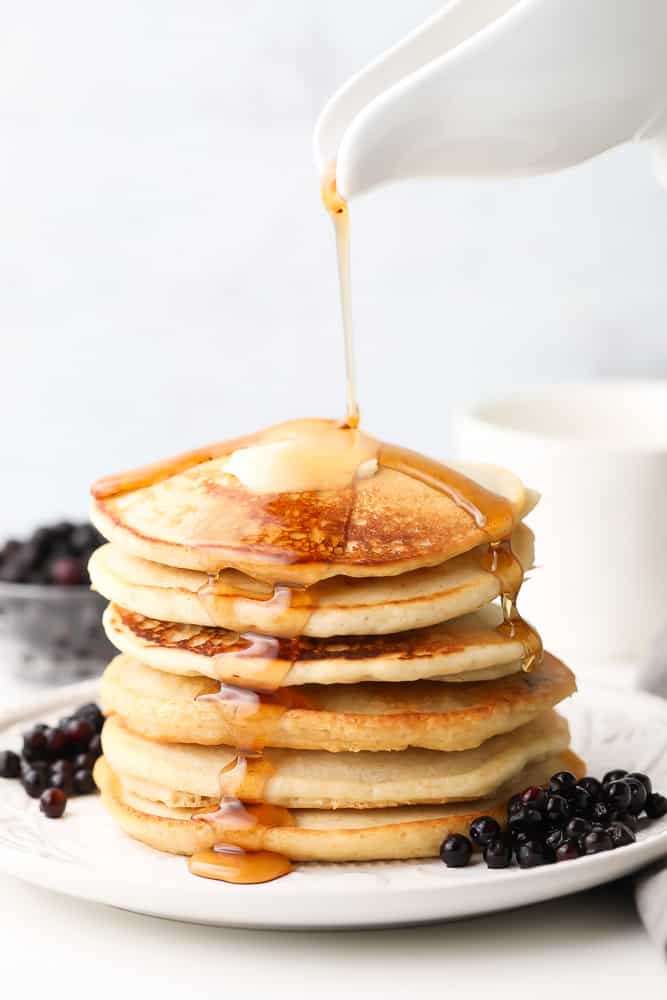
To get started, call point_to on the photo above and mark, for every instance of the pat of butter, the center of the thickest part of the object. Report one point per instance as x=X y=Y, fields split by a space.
x=308 y=459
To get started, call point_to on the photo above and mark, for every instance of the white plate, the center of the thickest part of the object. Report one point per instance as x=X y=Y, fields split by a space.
x=86 y=856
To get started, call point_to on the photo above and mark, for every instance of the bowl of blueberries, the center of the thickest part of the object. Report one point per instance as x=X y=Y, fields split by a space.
x=50 y=628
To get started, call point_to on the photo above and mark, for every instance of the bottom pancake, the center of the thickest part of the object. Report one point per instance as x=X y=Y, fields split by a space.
x=318 y=835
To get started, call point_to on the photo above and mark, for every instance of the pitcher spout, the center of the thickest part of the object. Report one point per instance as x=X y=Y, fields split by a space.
x=519 y=88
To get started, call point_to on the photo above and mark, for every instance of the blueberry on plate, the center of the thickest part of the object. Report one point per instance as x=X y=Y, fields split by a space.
x=656 y=805
x=484 y=829
x=456 y=850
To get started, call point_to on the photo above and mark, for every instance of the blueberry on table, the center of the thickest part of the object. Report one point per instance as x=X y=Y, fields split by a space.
x=83 y=783
x=620 y=834
x=79 y=732
x=34 y=743
x=555 y=838
x=55 y=742
x=92 y=714
x=456 y=850
x=52 y=803
x=10 y=764
x=656 y=805
x=484 y=829
x=34 y=782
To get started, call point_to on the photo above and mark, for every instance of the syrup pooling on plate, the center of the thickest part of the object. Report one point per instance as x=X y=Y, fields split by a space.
x=233 y=864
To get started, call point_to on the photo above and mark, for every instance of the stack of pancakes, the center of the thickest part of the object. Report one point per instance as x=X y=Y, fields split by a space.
x=327 y=674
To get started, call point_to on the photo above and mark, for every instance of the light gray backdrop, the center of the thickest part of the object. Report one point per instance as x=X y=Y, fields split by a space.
x=168 y=276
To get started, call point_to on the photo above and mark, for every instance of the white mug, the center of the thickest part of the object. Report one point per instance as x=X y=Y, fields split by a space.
x=597 y=453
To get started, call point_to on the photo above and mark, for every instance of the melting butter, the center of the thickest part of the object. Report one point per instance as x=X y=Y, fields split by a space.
x=312 y=455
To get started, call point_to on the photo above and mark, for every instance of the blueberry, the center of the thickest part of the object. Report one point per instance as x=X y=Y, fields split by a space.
x=34 y=744
x=525 y=819
x=95 y=746
x=562 y=783
x=569 y=850
x=498 y=853
x=577 y=828
x=592 y=786
x=52 y=803
x=614 y=775
x=534 y=797
x=484 y=829
x=55 y=742
x=597 y=841
x=582 y=801
x=617 y=795
x=600 y=814
x=456 y=850
x=554 y=838
x=514 y=804
x=92 y=714
x=656 y=805
x=67 y=571
x=520 y=837
x=557 y=810
x=34 y=782
x=61 y=779
x=10 y=764
x=84 y=761
x=78 y=733
x=638 y=795
x=621 y=834
x=532 y=853
x=83 y=783
x=643 y=778
x=627 y=819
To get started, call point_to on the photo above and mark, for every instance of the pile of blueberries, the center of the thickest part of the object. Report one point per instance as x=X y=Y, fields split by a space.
x=55 y=554
x=57 y=761
x=568 y=819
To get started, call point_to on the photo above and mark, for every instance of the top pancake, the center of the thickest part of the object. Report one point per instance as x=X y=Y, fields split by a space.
x=190 y=513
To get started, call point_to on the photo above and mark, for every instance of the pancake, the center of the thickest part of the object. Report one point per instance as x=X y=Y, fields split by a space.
x=334 y=607
x=470 y=647
x=320 y=835
x=190 y=512
x=190 y=775
x=335 y=718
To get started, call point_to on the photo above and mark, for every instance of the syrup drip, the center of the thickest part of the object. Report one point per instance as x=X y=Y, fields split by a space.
x=490 y=511
x=337 y=208
x=253 y=716
x=243 y=780
x=500 y=560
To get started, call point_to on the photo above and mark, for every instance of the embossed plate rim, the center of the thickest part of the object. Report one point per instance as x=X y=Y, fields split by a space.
x=315 y=896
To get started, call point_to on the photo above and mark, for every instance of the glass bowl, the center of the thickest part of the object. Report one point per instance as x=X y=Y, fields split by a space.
x=52 y=634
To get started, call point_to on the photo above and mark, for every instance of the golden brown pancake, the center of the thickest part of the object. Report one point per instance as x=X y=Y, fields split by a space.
x=337 y=606
x=320 y=835
x=471 y=647
x=341 y=717
x=194 y=514
x=193 y=775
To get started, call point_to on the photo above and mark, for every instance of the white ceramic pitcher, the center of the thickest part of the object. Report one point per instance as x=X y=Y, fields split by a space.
x=497 y=88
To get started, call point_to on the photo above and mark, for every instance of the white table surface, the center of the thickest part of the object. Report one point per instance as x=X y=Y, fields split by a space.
x=593 y=940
